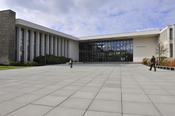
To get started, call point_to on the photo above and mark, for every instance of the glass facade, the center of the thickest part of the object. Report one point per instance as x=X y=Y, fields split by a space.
x=106 y=51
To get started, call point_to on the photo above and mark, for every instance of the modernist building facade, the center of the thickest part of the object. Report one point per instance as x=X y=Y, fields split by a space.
x=22 y=41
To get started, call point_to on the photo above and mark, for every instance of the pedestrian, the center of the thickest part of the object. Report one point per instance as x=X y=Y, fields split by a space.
x=153 y=63
x=70 y=63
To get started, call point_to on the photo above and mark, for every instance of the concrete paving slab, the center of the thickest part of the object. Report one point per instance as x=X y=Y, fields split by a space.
x=162 y=99
x=65 y=112
x=87 y=89
x=109 y=96
x=135 y=98
x=50 y=100
x=31 y=110
x=140 y=108
x=85 y=95
x=166 y=109
x=106 y=106
x=77 y=103
x=95 y=113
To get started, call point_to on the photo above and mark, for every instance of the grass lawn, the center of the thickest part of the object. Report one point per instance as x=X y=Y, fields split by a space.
x=12 y=67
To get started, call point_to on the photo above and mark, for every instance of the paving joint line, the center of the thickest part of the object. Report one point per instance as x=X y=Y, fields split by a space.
x=70 y=95
x=121 y=90
x=148 y=97
x=97 y=93
x=41 y=97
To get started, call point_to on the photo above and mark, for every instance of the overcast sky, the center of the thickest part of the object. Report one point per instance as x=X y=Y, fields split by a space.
x=94 y=17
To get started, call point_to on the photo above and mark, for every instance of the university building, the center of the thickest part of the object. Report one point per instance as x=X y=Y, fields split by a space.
x=22 y=41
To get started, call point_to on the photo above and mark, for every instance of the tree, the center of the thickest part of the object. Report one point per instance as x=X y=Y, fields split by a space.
x=161 y=50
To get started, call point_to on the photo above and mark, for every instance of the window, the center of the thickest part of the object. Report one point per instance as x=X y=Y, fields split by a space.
x=171 y=50
x=50 y=45
x=45 y=41
x=171 y=33
x=54 y=45
x=22 y=45
x=40 y=40
x=34 y=44
x=16 y=42
x=28 y=45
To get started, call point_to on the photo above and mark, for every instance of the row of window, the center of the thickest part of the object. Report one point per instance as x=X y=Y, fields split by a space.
x=171 y=45
x=48 y=41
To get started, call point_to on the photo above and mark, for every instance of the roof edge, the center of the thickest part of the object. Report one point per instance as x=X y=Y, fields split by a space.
x=43 y=28
x=136 y=33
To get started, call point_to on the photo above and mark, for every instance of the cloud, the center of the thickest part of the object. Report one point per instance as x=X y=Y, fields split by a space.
x=94 y=17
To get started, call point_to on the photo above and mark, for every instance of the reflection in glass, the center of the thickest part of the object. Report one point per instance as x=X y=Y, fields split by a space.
x=106 y=51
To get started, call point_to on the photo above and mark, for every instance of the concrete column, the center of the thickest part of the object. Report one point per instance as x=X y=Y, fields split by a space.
x=68 y=48
x=47 y=45
x=51 y=47
x=63 y=49
x=60 y=44
x=19 y=44
x=25 y=45
x=31 y=45
x=42 y=45
x=55 y=49
x=37 y=44
x=174 y=41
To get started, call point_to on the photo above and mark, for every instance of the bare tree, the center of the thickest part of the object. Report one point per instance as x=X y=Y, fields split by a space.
x=161 y=50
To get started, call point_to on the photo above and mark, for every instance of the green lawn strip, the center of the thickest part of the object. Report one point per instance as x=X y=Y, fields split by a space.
x=12 y=67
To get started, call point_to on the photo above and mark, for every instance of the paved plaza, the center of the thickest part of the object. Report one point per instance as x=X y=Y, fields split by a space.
x=87 y=90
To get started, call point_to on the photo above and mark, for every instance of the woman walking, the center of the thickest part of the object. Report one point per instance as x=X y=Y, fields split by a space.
x=70 y=63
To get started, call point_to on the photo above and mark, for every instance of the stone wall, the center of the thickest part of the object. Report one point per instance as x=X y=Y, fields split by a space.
x=7 y=36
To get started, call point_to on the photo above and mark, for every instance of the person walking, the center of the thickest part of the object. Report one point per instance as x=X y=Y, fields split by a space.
x=70 y=63
x=153 y=63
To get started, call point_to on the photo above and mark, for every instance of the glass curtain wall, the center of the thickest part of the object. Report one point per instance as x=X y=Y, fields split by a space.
x=106 y=51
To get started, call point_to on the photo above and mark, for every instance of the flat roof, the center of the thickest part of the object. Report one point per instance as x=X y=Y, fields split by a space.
x=45 y=29
x=155 y=32
x=25 y=23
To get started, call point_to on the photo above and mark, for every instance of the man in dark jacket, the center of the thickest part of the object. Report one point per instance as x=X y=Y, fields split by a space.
x=153 y=63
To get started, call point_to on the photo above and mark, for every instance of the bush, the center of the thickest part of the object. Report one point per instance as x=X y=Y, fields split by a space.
x=163 y=61
x=146 y=61
x=40 y=60
x=23 y=64
x=31 y=63
x=50 y=59
x=169 y=62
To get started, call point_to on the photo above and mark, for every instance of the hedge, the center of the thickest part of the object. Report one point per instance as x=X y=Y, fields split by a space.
x=23 y=63
x=163 y=61
x=50 y=59
x=42 y=60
